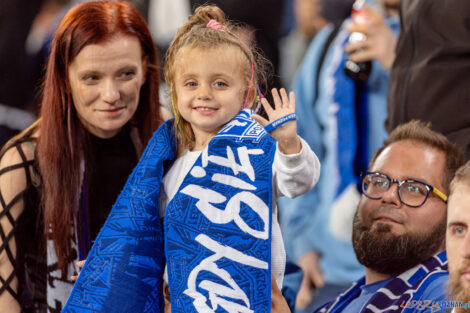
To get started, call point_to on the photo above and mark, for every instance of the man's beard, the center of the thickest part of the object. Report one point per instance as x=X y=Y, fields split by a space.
x=457 y=291
x=386 y=253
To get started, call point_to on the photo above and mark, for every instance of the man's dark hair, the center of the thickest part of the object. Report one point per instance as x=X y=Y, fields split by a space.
x=421 y=133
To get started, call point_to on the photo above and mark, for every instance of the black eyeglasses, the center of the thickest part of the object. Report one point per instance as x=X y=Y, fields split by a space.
x=411 y=192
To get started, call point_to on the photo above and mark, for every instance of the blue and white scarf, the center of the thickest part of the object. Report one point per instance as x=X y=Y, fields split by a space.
x=216 y=234
x=402 y=289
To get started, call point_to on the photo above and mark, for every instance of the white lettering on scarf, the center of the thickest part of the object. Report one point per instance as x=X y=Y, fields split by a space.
x=206 y=197
x=215 y=290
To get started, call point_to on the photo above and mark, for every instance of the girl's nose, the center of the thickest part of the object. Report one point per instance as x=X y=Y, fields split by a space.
x=203 y=92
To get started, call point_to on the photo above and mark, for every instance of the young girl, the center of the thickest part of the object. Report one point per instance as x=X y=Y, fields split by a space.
x=213 y=175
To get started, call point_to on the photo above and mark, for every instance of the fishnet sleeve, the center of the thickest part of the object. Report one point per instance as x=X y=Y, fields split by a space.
x=15 y=176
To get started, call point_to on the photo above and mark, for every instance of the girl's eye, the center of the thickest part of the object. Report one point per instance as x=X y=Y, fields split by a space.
x=220 y=84
x=190 y=84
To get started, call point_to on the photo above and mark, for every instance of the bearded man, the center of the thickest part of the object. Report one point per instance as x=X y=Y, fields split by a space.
x=458 y=238
x=400 y=224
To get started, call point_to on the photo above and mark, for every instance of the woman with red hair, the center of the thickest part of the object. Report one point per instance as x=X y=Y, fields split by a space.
x=60 y=177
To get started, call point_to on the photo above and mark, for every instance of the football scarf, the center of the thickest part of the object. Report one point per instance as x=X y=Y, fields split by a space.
x=215 y=238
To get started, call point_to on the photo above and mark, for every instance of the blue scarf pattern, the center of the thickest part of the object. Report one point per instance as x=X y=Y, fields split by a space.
x=408 y=286
x=216 y=234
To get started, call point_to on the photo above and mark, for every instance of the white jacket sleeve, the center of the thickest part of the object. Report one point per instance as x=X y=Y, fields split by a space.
x=295 y=174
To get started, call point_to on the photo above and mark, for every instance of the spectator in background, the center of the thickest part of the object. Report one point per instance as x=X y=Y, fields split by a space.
x=60 y=177
x=399 y=231
x=430 y=78
x=38 y=46
x=344 y=121
x=26 y=32
x=458 y=235
x=292 y=47
x=335 y=10
x=16 y=18
x=308 y=17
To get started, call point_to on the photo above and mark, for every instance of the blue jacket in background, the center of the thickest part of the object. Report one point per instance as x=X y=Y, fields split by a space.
x=344 y=125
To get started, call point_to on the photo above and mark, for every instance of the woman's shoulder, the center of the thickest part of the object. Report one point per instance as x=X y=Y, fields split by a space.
x=17 y=159
x=17 y=152
x=17 y=175
x=20 y=148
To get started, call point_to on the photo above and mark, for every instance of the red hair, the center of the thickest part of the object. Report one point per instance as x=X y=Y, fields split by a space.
x=61 y=143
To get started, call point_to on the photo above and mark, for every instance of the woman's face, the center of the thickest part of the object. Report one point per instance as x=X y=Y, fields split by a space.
x=105 y=81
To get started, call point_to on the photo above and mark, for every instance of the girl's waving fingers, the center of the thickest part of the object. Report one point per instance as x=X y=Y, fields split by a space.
x=292 y=100
x=282 y=107
x=277 y=99
x=281 y=122
x=267 y=107
x=281 y=100
x=285 y=99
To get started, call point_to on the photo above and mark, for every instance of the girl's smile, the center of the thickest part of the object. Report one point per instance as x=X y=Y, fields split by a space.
x=210 y=85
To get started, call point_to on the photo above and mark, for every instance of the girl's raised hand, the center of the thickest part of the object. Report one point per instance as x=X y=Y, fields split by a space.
x=286 y=133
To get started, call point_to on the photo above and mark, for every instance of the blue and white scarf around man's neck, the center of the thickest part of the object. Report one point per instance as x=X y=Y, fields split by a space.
x=216 y=234
x=393 y=297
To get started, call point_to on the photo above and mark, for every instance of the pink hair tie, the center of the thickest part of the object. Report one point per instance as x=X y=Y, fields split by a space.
x=215 y=25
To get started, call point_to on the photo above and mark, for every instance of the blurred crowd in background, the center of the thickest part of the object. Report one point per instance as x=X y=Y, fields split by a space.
x=281 y=28
x=419 y=68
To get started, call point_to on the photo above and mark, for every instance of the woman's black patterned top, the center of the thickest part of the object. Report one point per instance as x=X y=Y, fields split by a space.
x=24 y=274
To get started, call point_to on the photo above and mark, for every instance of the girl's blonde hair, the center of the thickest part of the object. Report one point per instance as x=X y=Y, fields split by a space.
x=196 y=34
